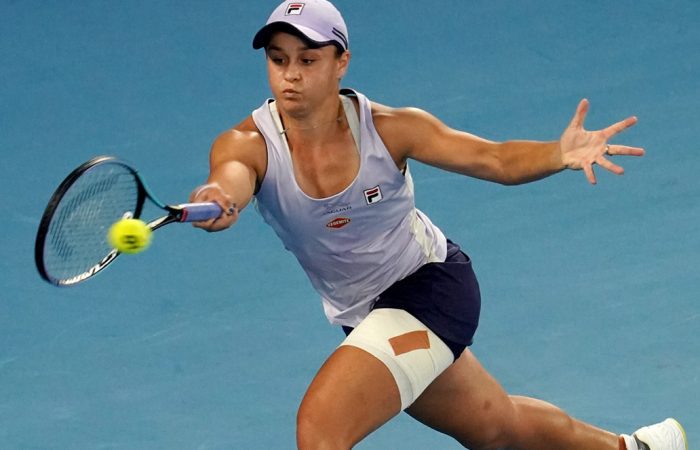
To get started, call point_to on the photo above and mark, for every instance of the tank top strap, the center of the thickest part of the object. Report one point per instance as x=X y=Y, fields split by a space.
x=277 y=120
x=353 y=118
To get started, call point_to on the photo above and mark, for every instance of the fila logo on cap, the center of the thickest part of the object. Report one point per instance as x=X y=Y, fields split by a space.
x=373 y=195
x=294 y=9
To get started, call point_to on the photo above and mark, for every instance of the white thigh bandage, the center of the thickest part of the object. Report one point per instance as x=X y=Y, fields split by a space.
x=414 y=355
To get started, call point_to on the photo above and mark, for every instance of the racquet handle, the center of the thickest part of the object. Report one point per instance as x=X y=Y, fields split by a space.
x=196 y=212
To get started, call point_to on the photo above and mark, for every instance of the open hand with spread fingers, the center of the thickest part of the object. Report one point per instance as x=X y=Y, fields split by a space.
x=581 y=149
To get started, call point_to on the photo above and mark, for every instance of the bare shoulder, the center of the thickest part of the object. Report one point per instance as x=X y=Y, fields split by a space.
x=401 y=129
x=243 y=143
x=398 y=118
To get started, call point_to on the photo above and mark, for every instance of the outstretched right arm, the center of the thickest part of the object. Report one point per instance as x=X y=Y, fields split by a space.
x=237 y=164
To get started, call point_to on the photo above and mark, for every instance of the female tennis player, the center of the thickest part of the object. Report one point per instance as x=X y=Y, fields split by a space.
x=329 y=171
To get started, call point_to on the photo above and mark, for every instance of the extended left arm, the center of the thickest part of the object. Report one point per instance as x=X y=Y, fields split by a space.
x=415 y=134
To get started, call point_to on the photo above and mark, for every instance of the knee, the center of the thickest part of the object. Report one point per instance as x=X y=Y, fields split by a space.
x=495 y=430
x=316 y=432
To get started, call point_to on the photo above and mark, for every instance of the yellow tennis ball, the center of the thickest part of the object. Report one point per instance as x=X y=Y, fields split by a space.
x=129 y=236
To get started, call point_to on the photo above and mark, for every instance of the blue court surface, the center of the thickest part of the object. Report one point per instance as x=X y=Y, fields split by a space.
x=208 y=341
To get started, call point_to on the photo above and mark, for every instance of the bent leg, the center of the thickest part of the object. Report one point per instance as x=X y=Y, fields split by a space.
x=352 y=395
x=382 y=366
x=467 y=403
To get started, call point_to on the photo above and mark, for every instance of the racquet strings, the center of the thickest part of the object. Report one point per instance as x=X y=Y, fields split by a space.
x=76 y=239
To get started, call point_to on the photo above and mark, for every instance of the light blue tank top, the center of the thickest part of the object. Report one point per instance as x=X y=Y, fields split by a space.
x=357 y=243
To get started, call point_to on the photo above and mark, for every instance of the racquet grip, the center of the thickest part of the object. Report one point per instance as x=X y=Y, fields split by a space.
x=196 y=212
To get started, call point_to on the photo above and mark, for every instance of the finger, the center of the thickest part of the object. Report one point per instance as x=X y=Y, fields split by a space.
x=588 y=170
x=204 y=224
x=624 y=150
x=227 y=218
x=608 y=165
x=218 y=224
x=618 y=127
x=580 y=115
x=228 y=208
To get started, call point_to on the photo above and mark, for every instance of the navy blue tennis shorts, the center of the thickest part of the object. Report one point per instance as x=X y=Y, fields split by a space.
x=444 y=296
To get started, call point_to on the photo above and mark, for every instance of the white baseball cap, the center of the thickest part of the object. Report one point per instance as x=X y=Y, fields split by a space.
x=317 y=20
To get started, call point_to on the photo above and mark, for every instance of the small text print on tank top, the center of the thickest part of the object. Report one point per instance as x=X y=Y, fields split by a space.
x=338 y=222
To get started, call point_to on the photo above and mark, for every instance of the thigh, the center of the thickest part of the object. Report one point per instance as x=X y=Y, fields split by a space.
x=352 y=395
x=467 y=403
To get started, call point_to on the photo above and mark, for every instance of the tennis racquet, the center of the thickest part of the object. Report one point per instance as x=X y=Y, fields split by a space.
x=71 y=243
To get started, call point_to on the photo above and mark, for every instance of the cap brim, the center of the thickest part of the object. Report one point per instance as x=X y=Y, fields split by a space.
x=262 y=37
